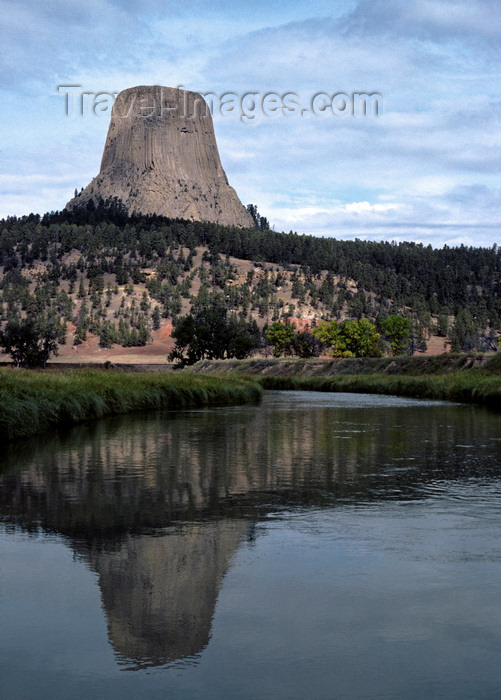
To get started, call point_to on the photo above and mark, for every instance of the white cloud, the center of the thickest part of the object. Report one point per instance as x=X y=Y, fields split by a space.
x=442 y=21
x=428 y=168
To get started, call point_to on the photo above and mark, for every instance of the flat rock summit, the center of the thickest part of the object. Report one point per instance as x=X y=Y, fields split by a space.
x=161 y=157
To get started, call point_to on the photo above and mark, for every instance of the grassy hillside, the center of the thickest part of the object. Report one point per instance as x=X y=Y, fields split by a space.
x=122 y=282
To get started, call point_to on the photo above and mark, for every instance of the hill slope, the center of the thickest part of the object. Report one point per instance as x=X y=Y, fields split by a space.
x=120 y=282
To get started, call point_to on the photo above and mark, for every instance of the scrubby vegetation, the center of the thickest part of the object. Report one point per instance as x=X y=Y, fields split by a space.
x=33 y=401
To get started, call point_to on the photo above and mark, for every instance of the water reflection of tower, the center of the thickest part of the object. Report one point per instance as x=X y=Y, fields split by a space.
x=136 y=505
x=117 y=488
x=159 y=591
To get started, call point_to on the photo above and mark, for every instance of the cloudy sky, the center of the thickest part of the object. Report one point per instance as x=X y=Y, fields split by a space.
x=426 y=169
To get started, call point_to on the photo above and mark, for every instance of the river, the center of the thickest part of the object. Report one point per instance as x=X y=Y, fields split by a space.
x=314 y=546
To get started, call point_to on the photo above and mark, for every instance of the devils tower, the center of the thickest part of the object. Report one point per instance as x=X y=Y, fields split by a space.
x=161 y=157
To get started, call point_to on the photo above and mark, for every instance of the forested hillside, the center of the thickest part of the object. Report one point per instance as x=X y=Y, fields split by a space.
x=122 y=278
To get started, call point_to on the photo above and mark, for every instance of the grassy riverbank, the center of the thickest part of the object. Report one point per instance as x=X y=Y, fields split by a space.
x=467 y=378
x=324 y=367
x=33 y=401
x=470 y=389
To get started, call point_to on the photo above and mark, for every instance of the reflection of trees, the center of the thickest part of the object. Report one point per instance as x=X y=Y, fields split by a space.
x=125 y=474
x=117 y=488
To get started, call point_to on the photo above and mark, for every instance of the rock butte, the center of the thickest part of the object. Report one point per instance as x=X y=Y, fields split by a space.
x=161 y=157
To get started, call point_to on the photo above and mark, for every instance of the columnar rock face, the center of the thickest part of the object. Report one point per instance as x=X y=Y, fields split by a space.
x=161 y=158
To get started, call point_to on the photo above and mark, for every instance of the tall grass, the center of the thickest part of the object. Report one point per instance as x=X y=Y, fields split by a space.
x=31 y=402
x=473 y=378
x=469 y=386
x=322 y=367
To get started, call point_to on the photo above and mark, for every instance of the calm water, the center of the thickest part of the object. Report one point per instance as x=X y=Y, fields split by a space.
x=315 y=546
